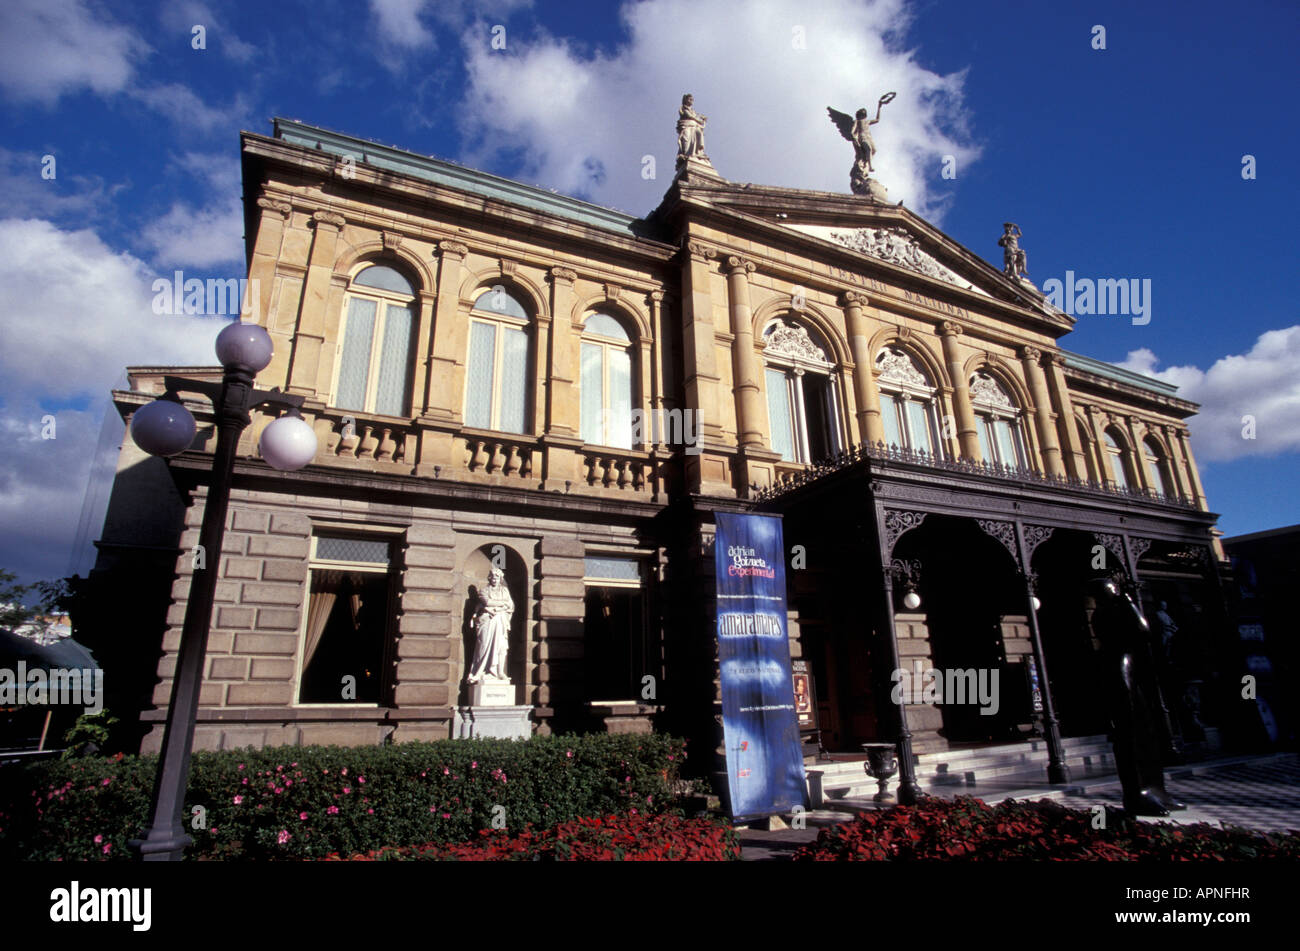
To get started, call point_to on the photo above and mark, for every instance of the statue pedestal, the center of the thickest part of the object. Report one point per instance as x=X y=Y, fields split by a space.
x=492 y=693
x=498 y=722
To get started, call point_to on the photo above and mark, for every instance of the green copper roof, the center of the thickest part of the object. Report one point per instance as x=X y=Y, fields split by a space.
x=456 y=176
x=1118 y=374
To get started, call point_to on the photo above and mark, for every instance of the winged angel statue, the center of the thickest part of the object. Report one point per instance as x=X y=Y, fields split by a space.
x=857 y=129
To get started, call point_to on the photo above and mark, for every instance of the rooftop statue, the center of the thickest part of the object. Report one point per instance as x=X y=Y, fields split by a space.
x=690 y=132
x=1014 y=263
x=857 y=129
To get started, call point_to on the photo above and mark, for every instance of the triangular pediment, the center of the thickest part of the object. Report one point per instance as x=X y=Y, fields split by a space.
x=884 y=233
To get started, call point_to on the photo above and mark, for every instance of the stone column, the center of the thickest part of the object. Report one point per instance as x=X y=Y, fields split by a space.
x=749 y=417
x=1139 y=458
x=967 y=434
x=658 y=358
x=1193 y=477
x=1100 y=456
x=1064 y=408
x=1042 y=409
x=562 y=404
x=870 y=427
x=261 y=287
x=1171 y=460
x=310 y=334
x=698 y=343
x=445 y=385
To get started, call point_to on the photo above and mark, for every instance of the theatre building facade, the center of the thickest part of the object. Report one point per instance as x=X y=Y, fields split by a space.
x=499 y=376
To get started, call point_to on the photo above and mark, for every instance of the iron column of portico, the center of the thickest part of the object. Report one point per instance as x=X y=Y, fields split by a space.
x=909 y=791
x=232 y=399
x=1057 y=771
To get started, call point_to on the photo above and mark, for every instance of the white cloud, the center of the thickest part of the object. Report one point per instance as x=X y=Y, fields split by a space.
x=206 y=236
x=187 y=14
x=583 y=121
x=49 y=48
x=1263 y=383
x=183 y=106
x=398 y=23
x=401 y=24
x=74 y=314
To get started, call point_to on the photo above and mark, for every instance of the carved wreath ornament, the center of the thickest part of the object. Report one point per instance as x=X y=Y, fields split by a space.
x=792 y=340
x=894 y=246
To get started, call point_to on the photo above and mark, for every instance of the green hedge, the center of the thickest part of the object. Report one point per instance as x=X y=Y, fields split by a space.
x=309 y=801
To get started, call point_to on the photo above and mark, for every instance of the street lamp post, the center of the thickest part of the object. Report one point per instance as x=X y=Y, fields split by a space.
x=166 y=428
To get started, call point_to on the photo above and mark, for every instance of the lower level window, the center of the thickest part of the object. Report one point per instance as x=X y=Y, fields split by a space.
x=618 y=653
x=348 y=623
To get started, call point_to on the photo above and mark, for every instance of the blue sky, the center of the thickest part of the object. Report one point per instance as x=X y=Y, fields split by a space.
x=1122 y=162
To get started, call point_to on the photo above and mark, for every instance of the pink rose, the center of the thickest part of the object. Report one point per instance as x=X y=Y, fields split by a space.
x=99 y=839
x=108 y=847
x=238 y=800
x=302 y=816
x=332 y=810
x=283 y=837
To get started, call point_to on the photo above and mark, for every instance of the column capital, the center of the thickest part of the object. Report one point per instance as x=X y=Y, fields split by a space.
x=698 y=250
x=738 y=265
x=854 y=299
x=563 y=275
x=950 y=328
x=283 y=208
x=656 y=296
x=453 y=249
x=1031 y=354
x=328 y=218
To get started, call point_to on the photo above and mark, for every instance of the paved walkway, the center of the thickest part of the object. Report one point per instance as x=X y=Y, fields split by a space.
x=1255 y=792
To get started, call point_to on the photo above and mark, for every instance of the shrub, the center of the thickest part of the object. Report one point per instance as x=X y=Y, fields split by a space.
x=620 y=838
x=967 y=829
x=306 y=802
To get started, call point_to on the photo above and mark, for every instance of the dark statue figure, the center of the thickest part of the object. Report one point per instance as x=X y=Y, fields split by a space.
x=1125 y=639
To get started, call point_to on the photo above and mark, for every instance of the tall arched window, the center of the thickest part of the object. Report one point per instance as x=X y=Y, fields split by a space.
x=606 y=382
x=908 y=406
x=802 y=402
x=374 y=364
x=1157 y=467
x=496 y=381
x=1116 y=463
x=999 y=421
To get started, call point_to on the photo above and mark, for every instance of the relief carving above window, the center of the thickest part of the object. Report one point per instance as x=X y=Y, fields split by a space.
x=895 y=246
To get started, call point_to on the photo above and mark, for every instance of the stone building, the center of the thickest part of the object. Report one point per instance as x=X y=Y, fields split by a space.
x=501 y=375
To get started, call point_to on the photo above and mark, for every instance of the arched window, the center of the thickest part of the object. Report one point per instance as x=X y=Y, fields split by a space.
x=1116 y=463
x=1001 y=438
x=1157 y=467
x=497 y=379
x=607 y=383
x=802 y=403
x=374 y=365
x=908 y=406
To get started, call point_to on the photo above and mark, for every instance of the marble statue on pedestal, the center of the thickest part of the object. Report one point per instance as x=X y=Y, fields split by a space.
x=491 y=625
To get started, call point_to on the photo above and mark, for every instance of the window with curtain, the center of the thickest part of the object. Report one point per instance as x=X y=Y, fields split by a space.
x=908 y=403
x=1115 y=460
x=348 y=618
x=1157 y=471
x=374 y=364
x=606 y=382
x=998 y=422
x=497 y=378
x=802 y=396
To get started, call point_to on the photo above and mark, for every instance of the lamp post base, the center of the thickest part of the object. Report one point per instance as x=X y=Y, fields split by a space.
x=168 y=846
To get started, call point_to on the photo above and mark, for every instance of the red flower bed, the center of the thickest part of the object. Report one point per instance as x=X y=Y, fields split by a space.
x=630 y=838
x=966 y=829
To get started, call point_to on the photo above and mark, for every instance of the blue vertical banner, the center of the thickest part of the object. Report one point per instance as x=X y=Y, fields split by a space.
x=761 y=731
